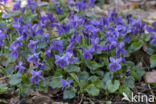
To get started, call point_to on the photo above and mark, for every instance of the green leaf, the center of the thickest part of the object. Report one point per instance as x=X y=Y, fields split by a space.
x=4 y=88
x=149 y=51
x=49 y=64
x=135 y=46
x=69 y=93
x=9 y=69
x=108 y=102
x=112 y=87
x=129 y=63
x=92 y=78
x=138 y=72
x=72 y=68
x=106 y=61
x=42 y=45
x=129 y=81
x=92 y=65
x=56 y=83
x=98 y=72
x=74 y=76
x=15 y=79
x=92 y=90
x=99 y=84
x=43 y=86
x=83 y=84
x=107 y=76
x=24 y=89
x=153 y=61
x=126 y=90
x=83 y=75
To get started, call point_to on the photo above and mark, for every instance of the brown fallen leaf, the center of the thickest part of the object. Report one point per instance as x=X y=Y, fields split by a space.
x=150 y=77
x=51 y=92
x=14 y=100
x=3 y=80
x=42 y=100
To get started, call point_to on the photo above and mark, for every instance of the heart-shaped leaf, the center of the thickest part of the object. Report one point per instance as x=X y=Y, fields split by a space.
x=112 y=87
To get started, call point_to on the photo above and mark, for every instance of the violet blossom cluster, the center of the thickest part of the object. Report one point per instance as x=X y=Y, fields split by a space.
x=4 y=1
x=85 y=35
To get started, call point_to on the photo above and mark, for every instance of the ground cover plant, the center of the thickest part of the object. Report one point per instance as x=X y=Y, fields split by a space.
x=64 y=49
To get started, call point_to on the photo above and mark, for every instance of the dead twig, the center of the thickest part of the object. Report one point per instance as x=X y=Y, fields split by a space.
x=81 y=99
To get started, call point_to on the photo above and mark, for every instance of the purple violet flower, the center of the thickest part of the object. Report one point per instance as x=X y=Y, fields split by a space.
x=120 y=50
x=82 y=5
x=49 y=51
x=34 y=58
x=20 y=67
x=32 y=4
x=61 y=60
x=66 y=59
x=150 y=29
x=115 y=64
x=96 y=47
x=154 y=39
x=17 y=5
x=4 y=1
x=36 y=76
x=2 y=36
x=45 y=37
x=92 y=3
x=58 y=45
x=66 y=83
x=33 y=44
x=87 y=54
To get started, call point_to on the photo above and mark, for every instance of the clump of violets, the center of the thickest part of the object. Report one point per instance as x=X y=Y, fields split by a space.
x=15 y=46
x=54 y=44
x=4 y=1
x=64 y=60
x=58 y=6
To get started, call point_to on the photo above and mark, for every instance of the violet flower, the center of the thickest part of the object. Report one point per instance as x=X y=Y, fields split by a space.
x=33 y=44
x=4 y=1
x=36 y=76
x=96 y=47
x=49 y=51
x=32 y=4
x=150 y=29
x=17 y=5
x=20 y=67
x=61 y=60
x=66 y=59
x=120 y=50
x=115 y=64
x=154 y=39
x=34 y=58
x=58 y=45
x=66 y=83
x=87 y=54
